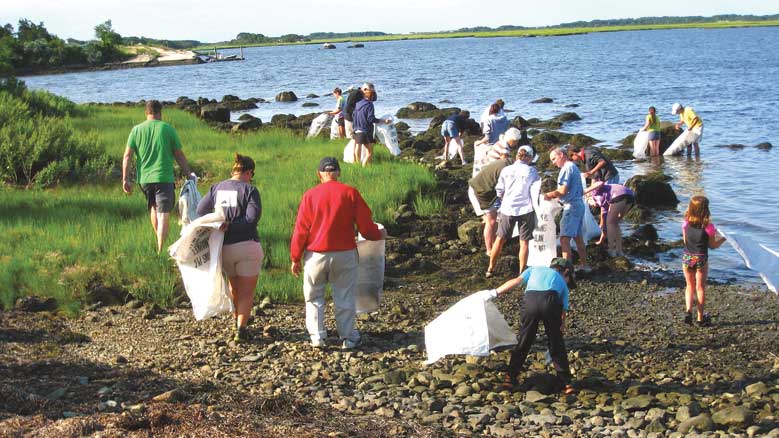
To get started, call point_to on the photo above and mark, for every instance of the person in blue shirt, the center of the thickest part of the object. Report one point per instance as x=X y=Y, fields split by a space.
x=571 y=193
x=546 y=301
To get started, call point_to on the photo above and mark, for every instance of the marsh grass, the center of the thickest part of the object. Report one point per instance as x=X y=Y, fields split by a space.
x=61 y=242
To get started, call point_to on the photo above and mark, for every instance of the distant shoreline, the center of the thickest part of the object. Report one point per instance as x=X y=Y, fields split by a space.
x=523 y=33
x=526 y=33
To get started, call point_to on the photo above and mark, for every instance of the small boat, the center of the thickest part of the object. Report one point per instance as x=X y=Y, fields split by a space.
x=328 y=46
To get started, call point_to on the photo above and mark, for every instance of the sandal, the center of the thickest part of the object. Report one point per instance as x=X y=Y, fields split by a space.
x=508 y=382
x=568 y=389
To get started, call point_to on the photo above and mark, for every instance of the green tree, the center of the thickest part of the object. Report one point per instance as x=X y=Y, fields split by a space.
x=106 y=34
x=29 y=31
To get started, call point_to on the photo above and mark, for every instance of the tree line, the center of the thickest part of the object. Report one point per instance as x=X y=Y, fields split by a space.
x=30 y=47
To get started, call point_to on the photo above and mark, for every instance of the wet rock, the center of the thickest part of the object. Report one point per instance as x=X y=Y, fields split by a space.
x=637 y=403
x=246 y=116
x=423 y=110
x=732 y=147
x=394 y=377
x=572 y=105
x=668 y=134
x=684 y=413
x=543 y=100
x=215 y=113
x=238 y=105
x=701 y=423
x=286 y=96
x=653 y=190
x=470 y=232
x=765 y=146
x=284 y=120
x=646 y=233
x=537 y=397
x=310 y=104
x=249 y=124
x=757 y=390
x=311 y=96
x=733 y=416
x=35 y=304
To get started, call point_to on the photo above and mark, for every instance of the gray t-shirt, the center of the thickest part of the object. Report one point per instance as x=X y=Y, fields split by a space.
x=242 y=208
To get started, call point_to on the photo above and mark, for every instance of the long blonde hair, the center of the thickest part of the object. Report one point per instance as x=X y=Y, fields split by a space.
x=698 y=213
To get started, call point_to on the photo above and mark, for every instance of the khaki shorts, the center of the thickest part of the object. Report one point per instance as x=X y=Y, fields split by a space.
x=242 y=259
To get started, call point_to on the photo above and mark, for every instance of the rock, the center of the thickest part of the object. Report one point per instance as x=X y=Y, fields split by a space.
x=423 y=110
x=701 y=423
x=637 y=403
x=172 y=396
x=239 y=105
x=173 y=319
x=394 y=377
x=733 y=147
x=646 y=232
x=537 y=397
x=655 y=426
x=652 y=190
x=151 y=311
x=757 y=390
x=310 y=104
x=250 y=358
x=436 y=405
x=470 y=232
x=266 y=303
x=248 y=125
x=56 y=394
x=733 y=416
x=215 y=113
x=421 y=106
x=35 y=304
x=572 y=105
x=463 y=391
x=765 y=146
x=133 y=304
x=119 y=359
x=286 y=96
x=246 y=116
x=311 y=96
x=543 y=100
x=686 y=412
x=283 y=120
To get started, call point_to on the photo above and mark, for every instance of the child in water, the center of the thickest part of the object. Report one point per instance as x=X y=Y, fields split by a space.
x=699 y=235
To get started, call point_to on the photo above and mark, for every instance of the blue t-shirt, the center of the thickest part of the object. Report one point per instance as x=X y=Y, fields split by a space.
x=544 y=279
x=571 y=178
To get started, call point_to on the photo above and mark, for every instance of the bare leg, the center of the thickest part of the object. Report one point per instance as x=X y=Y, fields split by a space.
x=341 y=131
x=162 y=229
x=524 y=251
x=565 y=247
x=497 y=247
x=581 y=248
x=461 y=151
x=242 y=291
x=357 y=153
x=489 y=230
x=697 y=148
x=689 y=289
x=700 y=288
x=446 y=147
x=366 y=158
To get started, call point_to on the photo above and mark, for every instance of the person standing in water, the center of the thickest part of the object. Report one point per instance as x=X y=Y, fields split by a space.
x=652 y=127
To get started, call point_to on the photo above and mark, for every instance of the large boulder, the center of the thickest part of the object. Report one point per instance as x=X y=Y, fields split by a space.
x=470 y=232
x=423 y=110
x=421 y=106
x=286 y=96
x=653 y=190
x=238 y=104
x=215 y=113
x=250 y=124
x=733 y=416
x=543 y=100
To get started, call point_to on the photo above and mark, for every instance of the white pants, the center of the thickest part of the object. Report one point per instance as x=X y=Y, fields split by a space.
x=339 y=268
x=349 y=128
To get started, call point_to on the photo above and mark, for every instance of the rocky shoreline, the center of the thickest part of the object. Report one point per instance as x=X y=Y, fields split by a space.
x=135 y=369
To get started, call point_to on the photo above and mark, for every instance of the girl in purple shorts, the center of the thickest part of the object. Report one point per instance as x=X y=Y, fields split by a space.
x=699 y=235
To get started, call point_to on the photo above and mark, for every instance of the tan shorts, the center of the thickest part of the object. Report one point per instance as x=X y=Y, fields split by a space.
x=242 y=259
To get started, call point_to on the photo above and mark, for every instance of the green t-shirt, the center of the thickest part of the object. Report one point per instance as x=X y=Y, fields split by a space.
x=153 y=142
x=653 y=126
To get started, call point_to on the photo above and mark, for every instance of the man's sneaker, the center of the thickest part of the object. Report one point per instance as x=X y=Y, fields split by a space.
x=241 y=335
x=349 y=344
x=320 y=343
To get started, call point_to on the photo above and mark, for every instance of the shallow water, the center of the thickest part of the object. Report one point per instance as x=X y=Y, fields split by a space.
x=728 y=75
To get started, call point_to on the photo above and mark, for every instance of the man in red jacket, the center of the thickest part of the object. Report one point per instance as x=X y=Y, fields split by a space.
x=324 y=240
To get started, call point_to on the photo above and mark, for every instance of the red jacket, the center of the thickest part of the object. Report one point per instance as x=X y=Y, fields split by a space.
x=326 y=219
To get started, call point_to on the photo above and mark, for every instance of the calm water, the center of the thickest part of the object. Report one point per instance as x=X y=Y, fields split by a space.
x=730 y=76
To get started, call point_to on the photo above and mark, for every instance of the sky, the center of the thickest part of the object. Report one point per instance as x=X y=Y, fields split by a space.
x=209 y=21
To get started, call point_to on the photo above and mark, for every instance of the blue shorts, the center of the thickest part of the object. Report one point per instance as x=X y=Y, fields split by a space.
x=653 y=135
x=449 y=129
x=573 y=219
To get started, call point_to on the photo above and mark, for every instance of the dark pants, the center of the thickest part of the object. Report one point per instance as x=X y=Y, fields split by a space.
x=543 y=307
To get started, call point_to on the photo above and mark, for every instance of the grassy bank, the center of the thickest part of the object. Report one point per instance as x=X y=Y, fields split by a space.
x=63 y=242
x=539 y=32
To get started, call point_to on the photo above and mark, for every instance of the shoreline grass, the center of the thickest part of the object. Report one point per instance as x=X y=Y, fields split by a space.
x=527 y=33
x=61 y=242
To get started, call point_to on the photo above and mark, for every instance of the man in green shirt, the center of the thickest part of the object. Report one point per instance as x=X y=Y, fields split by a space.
x=155 y=145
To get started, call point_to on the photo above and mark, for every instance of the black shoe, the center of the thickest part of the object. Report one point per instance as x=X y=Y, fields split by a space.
x=706 y=321
x=241 y=335
x=688 y=318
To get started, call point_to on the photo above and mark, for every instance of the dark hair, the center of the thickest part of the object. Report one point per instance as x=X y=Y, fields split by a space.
x=242 y=163
x=337 y=90
x=653 y=112
x=494 y=108
x=466 y=114
x=153 y=107
x=574 y=149
x=500 y=103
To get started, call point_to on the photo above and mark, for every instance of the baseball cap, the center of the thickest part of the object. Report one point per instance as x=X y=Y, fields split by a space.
x=329 y=164
x=675 y=108
x=564 y=265
x=528 y=150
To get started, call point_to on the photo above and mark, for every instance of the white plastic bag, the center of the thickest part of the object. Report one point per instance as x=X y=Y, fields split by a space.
x=455 y=145
x=386 y=134
x=590 y=227
x=198 y=254
x=543 y=247
x=370 y=273
x=334 y=129
x=189 y=198
x=472 y=326
x=684 y=139
x=640 y=143
x=349 y=152
x=480 y=157
x=318 y=124
x=757 y=257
